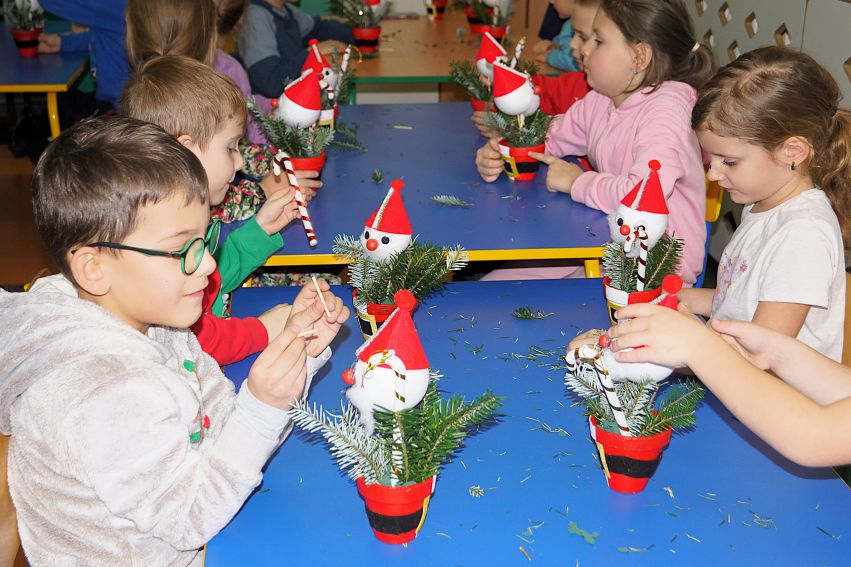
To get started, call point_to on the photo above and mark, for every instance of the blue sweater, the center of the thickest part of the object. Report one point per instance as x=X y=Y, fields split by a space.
x=273 y=43
x=105 y=20
x=560 y=57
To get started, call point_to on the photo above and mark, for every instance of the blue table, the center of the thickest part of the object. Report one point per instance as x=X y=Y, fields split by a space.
x=432 y=148
x=48 y=73
x=714 y=488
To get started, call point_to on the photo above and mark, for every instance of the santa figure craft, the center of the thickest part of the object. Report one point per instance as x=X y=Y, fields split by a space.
x=391 y=371
x=513 y=92
x=388 y=231
x=299 y=105
x=490 y=52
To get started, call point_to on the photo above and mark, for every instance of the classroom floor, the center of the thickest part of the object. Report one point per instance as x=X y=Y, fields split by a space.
x=23 y=253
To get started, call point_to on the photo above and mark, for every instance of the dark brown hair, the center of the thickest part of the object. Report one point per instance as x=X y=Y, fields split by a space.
x=177 y=27
x=230 y=14
x=770 y=94
x=665 y=26
x=92 y=180
x=183 y=96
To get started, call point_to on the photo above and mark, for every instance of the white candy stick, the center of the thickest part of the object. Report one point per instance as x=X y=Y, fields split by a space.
x=518 y=51
x=345 y=64
x=282 y=159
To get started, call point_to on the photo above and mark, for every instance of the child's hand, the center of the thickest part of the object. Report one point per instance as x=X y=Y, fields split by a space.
x=489 y=161
x=272 y=185
x=754 y=342
x=587 y=338
x=278 y=375
x=327 y=327
x=277 y=212
x=667 y=337
x=309 y=182
x=560 y=174
x=275 y=319
x=49 y=42
x=542 y=47
x=479 y=120
x=327 y=47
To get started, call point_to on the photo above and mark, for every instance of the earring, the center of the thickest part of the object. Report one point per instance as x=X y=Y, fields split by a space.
x=792 y=167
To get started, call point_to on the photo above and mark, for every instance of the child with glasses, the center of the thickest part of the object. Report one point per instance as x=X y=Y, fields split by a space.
x=206 y=112
x=128 y=445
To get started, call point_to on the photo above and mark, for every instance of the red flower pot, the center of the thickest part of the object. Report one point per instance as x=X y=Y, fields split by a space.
x=435 y=9
x=518 y=165
x=628 y=462
x=481 y=105
x=372 y=316
x=498 y=32
x=366 y=39
x=475 y=22
x=615 y=298
x=26 y=41
x=315 y=163
x=396 y=513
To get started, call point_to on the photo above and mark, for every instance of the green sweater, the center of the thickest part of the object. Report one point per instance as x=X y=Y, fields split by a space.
x=244 y=250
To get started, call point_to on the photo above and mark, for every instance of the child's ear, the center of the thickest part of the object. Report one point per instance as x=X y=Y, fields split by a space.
x=186 y=140
x=88 y=272
x=643 y=56
x=795 y=149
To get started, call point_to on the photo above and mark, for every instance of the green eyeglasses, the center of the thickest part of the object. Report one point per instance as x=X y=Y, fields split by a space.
x=190 y=255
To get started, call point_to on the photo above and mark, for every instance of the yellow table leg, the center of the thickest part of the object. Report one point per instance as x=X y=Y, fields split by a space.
x=53 y=115
x=592 y=268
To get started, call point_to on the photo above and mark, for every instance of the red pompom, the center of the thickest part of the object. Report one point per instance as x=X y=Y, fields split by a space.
x=624 y=230
x=397 y=184
x=672 y=284
x=313 y=42
x=404 y=299
x=655 y=165
x=349 y=376
x=274 y=103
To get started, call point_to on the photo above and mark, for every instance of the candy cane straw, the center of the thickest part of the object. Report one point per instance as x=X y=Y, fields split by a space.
x=345 y=64
x=323 y=84
x=642 y=258
x=518 y=50
x=495 y=15
x=282 y=159
x=592 y=355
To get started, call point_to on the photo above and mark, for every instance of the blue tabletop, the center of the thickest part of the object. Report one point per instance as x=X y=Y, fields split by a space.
x=432 y=148
x=719 y=497
x=44 y=73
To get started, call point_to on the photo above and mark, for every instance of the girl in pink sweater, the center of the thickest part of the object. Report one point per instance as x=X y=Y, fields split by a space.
x=643 y=65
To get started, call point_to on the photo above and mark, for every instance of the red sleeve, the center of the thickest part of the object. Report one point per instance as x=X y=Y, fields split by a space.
x=560 y=92
x=227 y=340
x=230 y=340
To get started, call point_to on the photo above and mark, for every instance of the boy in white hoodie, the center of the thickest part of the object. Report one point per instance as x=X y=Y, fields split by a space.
x=129 y=446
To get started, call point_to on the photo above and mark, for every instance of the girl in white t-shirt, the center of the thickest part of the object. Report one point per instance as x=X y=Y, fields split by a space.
x=779 y=144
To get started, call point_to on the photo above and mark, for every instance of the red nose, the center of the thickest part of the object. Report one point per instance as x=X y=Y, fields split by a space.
x=348 y=376
x=371 y=244
x=625 y=229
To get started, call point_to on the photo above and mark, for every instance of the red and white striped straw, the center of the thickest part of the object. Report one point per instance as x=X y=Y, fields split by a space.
x=282 y=159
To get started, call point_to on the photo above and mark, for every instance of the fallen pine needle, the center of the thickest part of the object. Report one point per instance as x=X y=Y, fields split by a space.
x=525 y=553
x=402 y=126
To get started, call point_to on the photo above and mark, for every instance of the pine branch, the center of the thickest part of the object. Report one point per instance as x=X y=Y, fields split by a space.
x=356 y=14
x=675 y=409
x=346 y=138
x=662 y=259
x=533 y=132
x=451 y=201
x=530 y=313
x=362 y=454
x=466 y=75
x=295 y=141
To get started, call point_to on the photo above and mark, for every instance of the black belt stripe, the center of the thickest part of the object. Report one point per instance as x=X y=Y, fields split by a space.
x=524 y=166
x=394 y=524
x=473 y=20
x=632 y=467
x=365 y=326
x=366 y=42
x=22 y=43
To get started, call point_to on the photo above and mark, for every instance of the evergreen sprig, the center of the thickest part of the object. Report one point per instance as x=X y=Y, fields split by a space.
x=530 y=313
x=420 y=268
x=426 y=436
x=22 y=15
x=646 y=413
x=346 y=138
x=363 y=455
x=662 y=260
x=480 y=9
x=295 y=141
x=451 y=201
x=533 y=132
x=467 y=76
x=356 y=14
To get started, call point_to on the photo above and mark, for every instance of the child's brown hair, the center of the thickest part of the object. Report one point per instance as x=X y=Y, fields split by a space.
x=665 y=26
x=92 y=180
x=176 y=27
x=230 y=14
x=773 y=93
x=183 y=96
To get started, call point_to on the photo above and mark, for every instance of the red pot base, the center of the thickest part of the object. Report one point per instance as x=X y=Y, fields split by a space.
x=396 y=513
x=366 y=39
x=628 y=462
x=517 y=163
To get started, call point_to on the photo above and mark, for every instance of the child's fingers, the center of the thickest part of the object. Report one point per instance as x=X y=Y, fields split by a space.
x=276 y=346
x=544 y=158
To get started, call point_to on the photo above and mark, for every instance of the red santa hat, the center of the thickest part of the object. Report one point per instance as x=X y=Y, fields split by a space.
x=304 y=91
x=314 y=59
x=398 y=333
x=490 y=49
x=647 y=195
x=507 y=80
x=391 y=216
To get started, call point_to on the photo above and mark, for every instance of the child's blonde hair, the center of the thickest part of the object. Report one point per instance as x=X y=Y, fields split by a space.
x=665 y=26
x=171 y=27
x=183 y=96
x=773 y=93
